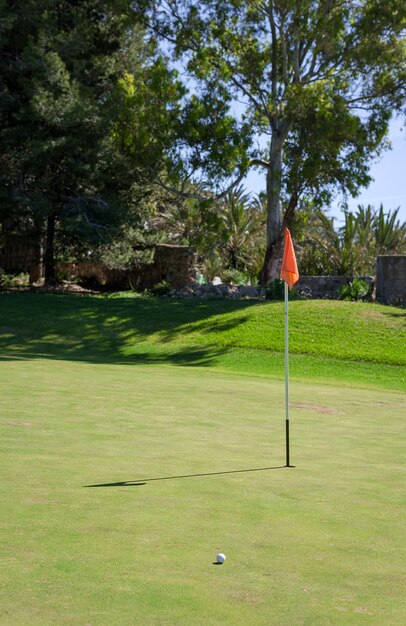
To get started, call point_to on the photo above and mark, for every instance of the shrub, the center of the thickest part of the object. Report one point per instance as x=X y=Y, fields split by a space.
x=276 y=290
x=235 y=277
x=161 y=289
x=355 y=290
x=9 y=281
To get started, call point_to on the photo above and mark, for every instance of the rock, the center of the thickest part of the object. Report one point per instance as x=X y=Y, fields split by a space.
x=248 y=291
x=186 y=292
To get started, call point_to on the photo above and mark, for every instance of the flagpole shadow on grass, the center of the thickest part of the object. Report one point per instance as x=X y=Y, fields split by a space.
x=139 y=483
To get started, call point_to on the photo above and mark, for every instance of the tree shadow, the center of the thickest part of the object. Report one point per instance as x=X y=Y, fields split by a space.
x=400 y=313
x=112 y=330
x=144 y=481
x=190 y=357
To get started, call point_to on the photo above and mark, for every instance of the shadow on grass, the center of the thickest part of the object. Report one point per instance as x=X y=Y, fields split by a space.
x=187 y=356
x=112 y=330
x=397 y=314
x=144 y=481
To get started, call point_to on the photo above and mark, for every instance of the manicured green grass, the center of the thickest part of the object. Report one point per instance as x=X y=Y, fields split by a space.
x=139 y=437
x=356 y=344
x=319 y=544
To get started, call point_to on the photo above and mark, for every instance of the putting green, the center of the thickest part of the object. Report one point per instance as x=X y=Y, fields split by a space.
x=191 y=460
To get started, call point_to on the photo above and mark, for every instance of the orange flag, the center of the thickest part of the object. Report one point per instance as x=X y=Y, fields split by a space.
x=289 y=271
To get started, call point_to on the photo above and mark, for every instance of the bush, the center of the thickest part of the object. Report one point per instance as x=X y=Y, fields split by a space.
x=276 y=291
x=357 y=290
x=235 y=277
x=161 y=289
x=10 y=281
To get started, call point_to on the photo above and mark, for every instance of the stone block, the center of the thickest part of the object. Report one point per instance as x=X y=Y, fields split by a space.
x=391 y=279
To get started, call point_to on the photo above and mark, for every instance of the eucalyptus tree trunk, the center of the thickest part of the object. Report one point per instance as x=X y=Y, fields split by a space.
x=274 y=207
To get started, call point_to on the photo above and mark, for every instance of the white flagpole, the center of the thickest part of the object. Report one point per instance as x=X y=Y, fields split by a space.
x=287 y=372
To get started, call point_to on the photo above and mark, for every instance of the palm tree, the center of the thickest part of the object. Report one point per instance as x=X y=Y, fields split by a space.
x=243 y=226
x=390 y=234
x=326 y=249
x=352 y=248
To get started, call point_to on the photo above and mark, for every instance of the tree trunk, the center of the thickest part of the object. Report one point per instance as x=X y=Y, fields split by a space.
x=49 y=258
x=233 y=259
x=274 y=216
x=36 y=269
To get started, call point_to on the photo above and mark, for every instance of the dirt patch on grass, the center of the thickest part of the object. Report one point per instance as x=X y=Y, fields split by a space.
x=318 y=408
x=389 y=317
x=362 y=610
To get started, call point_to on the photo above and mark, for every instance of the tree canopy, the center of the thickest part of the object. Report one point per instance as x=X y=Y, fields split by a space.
x=102 y=102
x=316 y=83
x=71 y=157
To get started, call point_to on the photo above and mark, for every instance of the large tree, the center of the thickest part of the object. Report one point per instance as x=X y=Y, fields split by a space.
x=66 y=169
x=304 y=89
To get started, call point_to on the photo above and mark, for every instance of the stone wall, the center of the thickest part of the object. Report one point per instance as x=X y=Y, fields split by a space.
x=230 y=292
x=93 y=272
x=391 y=279
x=313 y=287
x=173 y=264
x=326 y=286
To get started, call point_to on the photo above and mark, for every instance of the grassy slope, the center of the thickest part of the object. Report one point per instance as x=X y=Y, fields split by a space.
x=317 y=545
x=330 y=341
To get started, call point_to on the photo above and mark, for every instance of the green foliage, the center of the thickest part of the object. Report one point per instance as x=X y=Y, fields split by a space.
x=276 y=291
x=187 y=221
x=145 y=108
x=76 y=167
x=226 y=234
x=355 y=290
x=161 y=289
x=389 y=232
x=313 y=79
x=352 y=248
x=241 y=231
x=94 y=113
x=216 y=141
x=12 y=281
x=235 y=277
x=132 y=247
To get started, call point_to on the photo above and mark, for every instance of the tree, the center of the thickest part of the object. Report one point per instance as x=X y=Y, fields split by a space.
x=353 y=247
x=318 y=80
x=242 y=221
x=225 y=234
x=327 y=250
x=66 y=169
x=389 y=232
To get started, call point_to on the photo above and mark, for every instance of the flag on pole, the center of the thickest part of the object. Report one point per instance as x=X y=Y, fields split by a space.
x=289 y=271
x=289 y=274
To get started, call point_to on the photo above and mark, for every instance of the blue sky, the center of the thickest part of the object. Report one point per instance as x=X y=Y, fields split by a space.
x=389 y=174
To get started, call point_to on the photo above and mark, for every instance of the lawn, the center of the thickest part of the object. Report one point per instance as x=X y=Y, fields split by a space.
x=354 y=343
x=132 y=452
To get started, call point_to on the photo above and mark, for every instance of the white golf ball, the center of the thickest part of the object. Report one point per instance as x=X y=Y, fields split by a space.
x=221 y=557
